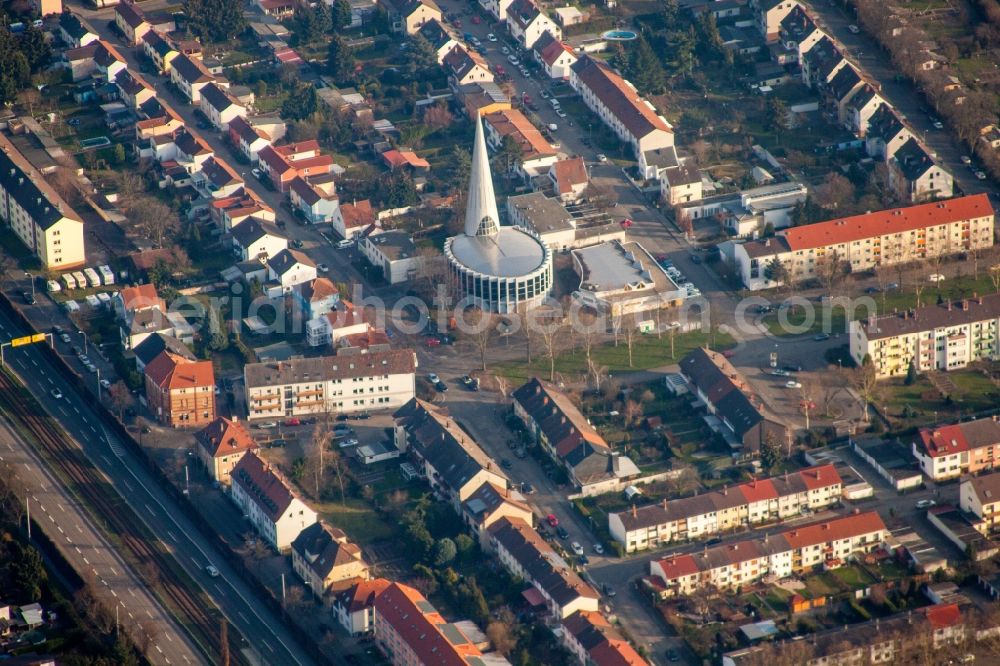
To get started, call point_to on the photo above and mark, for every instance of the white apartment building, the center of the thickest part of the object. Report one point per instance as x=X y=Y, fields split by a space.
x=750 y=503
x=527 y=23
x=618 y=104
x=269 y=503
x=948 y=336
x=949 y=451
x=802 y=549
x=980 y=496
x=341 y=384
x=44 y=222
x=896 y=235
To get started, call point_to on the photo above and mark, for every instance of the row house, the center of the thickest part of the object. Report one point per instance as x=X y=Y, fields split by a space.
x=74 y=31
x=221 y=445
x=596 y=642
x=160 y=50
x=799 y=32
x=134 y=90
x=555 y=56
x=526 y=23
x=37 y=214
x=151 y=347
x=498 y=8
x=343 y=384
x=325 y=559
x=185 y=148
x=880 y=238
x=821 y=62
x=218 y=180
x=914 y=175
x=454 y=464
x=839 y=91
x=770 y=14
x=408 y=16
x=256 y=239
x=488 y=504
x=526 y=555
x=190 y=75
x=250 y=140
x=949 y=451
x=886 y=133
x=744 y=505
x=826 y=544
x=945 y=336
x=537 y=154
x=315 y=199
x=232 y=211
x=440 y=39
x=266 y=498
x=862 y=109
x=409 y=631
x=220 y=107
x=352 y=218
x=283 y=164
x=980 y=496
x=618 y=104
x=132 y=22
x=354 y=608
x=98 y=59
x=179 y=392
x=465 y=66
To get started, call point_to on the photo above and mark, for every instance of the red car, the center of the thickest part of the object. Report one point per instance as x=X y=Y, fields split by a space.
x=552 y=520
x=293 y=422
x=433 y=341
x=476 y=20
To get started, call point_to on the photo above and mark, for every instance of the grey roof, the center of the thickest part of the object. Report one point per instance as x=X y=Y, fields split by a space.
x=327 y=368
x=151 y=347
x=885 y=123
x=75 y=26
x=436 y=438
x=218 y=97
x=395 y=244
x=325 y=548
x=766 y=248
x=932 y=317
x=844 y=82
x=30 y=190
x=191 y=69
x=912 y=160
x=434 y=33
x=543 y=214
x=286 y=259
x=511 y=253
x=253 y=230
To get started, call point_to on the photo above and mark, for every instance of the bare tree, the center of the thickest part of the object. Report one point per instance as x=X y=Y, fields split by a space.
x=121 y=398
x=551 y=334
x=601 y=197
x=501 y=638
x=630 y=332
x=994 y=273
x=481 y=327
x=145 y=635
x=684 y=222
x=864 y=379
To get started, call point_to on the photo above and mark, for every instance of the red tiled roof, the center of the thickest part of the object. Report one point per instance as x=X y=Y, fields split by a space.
x=943 y=440
x=262 y=482
x=358 y=214
x=570 y=172
x=319 y=289
x=513 y=123
x=621 y=98
x=820 y=477
x=223 y=437
x=418 y=624
x=677 y=566
x=141 y=296
x=554 y=49
x=834 y=530
x=362 y=595
x=397 y=158
x=274 y=160
x=616 y=652
x=942 y=615
x=758 y=490
x=172 y=372
x=891 y=221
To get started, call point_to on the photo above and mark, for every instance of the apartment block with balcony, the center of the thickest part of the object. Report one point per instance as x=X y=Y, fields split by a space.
x=340 y=384
x=949 y=451
x=862 y=242
x=946 y=336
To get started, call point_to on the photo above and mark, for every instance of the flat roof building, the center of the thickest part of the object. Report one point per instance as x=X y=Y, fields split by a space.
x=622 y=279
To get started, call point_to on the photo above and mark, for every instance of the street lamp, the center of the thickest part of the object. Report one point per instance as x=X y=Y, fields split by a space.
x=84 y=334
x=31 y=279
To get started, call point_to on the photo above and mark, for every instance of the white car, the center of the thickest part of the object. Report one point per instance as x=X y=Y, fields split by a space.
x=256 y=172
x=267 y=425
x=601 y=157
x=512 y=59
x=322 y=268
x=560 y=113
x=577 y=548
x=344 y=244
x=504 y=50
x=599 y=549
x=926 y=504
x=792 y=384
x=212 y=571
x=966 y=160
x=56 y=393
x=433 y=378
x=491 y=37
x=854 y=29
x=936 y=277
x=105 y=384
x=980 y=175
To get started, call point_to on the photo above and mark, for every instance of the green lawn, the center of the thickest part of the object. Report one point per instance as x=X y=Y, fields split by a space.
x=921 y=403
x=648 y=351
x=852 y=576
x=358 y=519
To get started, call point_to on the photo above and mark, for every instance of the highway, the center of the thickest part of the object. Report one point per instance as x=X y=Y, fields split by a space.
x=268 y=641
x=68 y=525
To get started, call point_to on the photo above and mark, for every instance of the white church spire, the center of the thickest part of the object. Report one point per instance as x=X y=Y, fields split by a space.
x=481 y=216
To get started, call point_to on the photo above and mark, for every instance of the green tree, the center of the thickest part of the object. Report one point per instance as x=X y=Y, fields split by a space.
x=308 y=28
x=301 y=103
x=339 y=59
x=445 y=551
x=911 y=374
x=776 y=271
x=215 y=20
x=645 y=70
x=509 y=155
x=324 y=17
x=118 y=154
x=461 y=160
x=668 y=12
x=36 y=49
x=218 y=340
x=27 y=573
x=421 y=58
x=400 y=190
x=340 y=14
x=770 y=452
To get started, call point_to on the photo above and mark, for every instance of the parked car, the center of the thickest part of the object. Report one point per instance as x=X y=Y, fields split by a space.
x=608 y=591
x=322 y=268
x=56 y=393
x=854 y=29
x=527 y=489
x=561 y=531
x=65 y=338
x=212 y=571
x=433 y=378
x=599 y=549
x=966 y=160
x=793 y=384
x=28 y=297
x=926 y=504
x=779 y=372
x=344 y=244
x=491 y=37
x=552 y=520
x=820 y=337
x=105 y=384
x=506 y=464
x=980 y=175
x=293 y=422
x=267 y=425
x=441 y=386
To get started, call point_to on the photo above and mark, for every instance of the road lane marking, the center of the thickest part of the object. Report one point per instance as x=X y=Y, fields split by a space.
x=129 y=486
x=78 y=550
x=219 y=589
x=243 y=617
x=113 y=571
x=106 y=461
x=77 y=410
x=86 y=561
x=114 y=594
x=78 y=529
x=149 y=508
x=195 y=562
x=171 y=535
x=33 y=362
x=149 y=614
x=60 y=530
x=131 y=591
x=267 y=645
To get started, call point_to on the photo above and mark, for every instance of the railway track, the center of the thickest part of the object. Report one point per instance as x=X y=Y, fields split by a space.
x=90 y=485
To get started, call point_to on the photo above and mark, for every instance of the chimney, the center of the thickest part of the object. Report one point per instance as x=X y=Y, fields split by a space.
x=965 y=305
x=949 y=306
x=665 y=501
x=635 y=513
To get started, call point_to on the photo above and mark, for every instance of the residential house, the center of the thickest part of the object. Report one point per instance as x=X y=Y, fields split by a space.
x=75 y=31
x=821 y=62
x=220 y=107
x=45 y=8
x=454 y=464
x=340 y=322
x=136 y=299
x=315 y=199
x=132 y=22
x=244 y=204
x=408 y=16
x=980 y=496
x=319 y=297
x=286 y=270
x=488 y=504
x=770 y=14
x=537 y=154
x=249 y=139
x=180 y=392
x=410 y=631
x=440 y=39
x=526 y=23
x=827 y=544
x=681 y=183
x=283 y=164
x=862 y=108
x=916 y=177
x=350 y=219
x=278 y=9
x=268 y=501
x=569 y=178
x=594 y=641
x=160 y=50
x=480 y=99
x=322 y=556
x=526 y=555
x=152 y=346
x=255 y=239
x=345 y=384
x=841 y=90
x=949 y=451
x=743 y=505
x=465 y=66
x=880 y=238
x=354 y=608
x=393 y=252
x=221 y=445
x=134 y=91
x=40 y=218
x=186 y=149
x=730 y=399
x=190 y=75
x=569 y=439
x=618 y=104
x=799 y=32
x=555 y=56
x=498 y=8
x=217 y=179
x=97 y=59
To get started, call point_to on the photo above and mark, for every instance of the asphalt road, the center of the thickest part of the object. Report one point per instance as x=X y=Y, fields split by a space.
x=68 y=525
x=268 y=640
